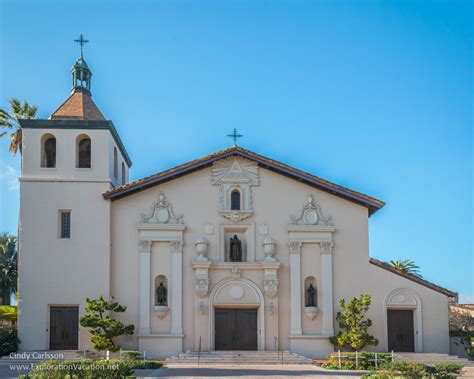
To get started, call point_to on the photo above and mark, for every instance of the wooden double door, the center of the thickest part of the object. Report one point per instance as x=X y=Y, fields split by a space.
x=236 y=329
x=64 y=328
x=401 y=336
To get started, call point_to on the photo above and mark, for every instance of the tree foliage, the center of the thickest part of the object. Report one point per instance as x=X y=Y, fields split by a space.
x=8 y=267
x=461 y=326
x=353 y=326
x=102 y=326
x=408 y=266
x=9 y=122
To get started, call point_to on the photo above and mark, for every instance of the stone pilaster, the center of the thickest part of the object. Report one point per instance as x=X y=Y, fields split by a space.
x=144 y=286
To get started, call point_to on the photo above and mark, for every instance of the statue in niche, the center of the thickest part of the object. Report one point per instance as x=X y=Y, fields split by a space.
x=235 y=249
x=311 y=296
x=161 y=295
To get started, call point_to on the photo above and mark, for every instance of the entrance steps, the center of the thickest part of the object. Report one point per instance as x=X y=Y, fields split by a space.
x=432 y=358
x=191 y=357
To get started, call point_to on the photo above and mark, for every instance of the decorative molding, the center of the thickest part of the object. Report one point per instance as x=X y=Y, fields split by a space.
x=202 y=308
x=236 y=271
x=295 y=247
x=271 y=308
x=176 y=246
x=326 y=247
x=235 y=174
x=311 y=312
x=201 y=245
x=161 y=311
x=201 y=286
x=145 y=245
x=161 y=212
x=233 y=170
x=270 y=287
x=311 y=214
x=236 y=216
x=208 y=229
x=269 y=249
x=263 y=229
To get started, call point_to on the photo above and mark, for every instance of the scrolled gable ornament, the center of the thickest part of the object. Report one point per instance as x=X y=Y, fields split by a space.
x=311 y=214
x=161 y=212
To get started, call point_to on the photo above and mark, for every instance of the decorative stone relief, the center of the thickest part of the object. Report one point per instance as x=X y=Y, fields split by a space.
x=270 y=287
x=161 y=311
x=202 y=308
x=271 y=308
x=310 y=214
x=201 y=248
x=326 y=247
x=176 y=246
x=208 y=229
x=295 y=247
x=263 y=229
x=201 y=286
x=311 y=312
x=269 y=249
x=145 y=245
x=236 y=271
x=161 y=212
x=235 y=174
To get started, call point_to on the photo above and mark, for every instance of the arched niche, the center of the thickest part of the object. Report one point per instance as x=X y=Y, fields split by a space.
x=48 y=150
x=161 y=282
x=310 y=280
x=83 y=151
x=405 y=299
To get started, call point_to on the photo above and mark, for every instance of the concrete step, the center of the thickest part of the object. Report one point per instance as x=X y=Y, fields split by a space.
x=236 y=357
x=430 y=357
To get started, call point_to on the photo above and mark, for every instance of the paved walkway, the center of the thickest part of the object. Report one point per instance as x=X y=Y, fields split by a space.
x=244 y=372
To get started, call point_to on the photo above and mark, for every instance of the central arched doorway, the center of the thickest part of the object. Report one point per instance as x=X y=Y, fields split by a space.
x=236 y=316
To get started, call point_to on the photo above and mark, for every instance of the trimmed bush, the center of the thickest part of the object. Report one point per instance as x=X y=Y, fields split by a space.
x=89 y=369
x=365 y=360
x=8 y=340
x=447 y=369
x=131 y=354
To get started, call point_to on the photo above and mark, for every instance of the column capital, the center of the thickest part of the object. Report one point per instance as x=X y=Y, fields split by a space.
x=176 y=246
x=145 y=246
x=295 y=247
x=326 y=247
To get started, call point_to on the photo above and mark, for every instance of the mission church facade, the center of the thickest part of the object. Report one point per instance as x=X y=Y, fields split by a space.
x=234 y=249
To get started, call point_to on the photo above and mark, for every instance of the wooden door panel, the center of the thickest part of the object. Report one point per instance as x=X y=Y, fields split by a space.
x=224 y=329
x=235 y=329
x=400 y=330
x=64 y=328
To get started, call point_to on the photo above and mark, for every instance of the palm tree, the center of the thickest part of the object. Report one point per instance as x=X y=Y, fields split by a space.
x=408 y=266
x=9 y=121
x=8 y=267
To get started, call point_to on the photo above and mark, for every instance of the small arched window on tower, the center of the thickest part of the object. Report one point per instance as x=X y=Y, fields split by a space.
x=235 y=200
x=124 y=173
x=48 y=151
x=115 y=163
x=83 y=157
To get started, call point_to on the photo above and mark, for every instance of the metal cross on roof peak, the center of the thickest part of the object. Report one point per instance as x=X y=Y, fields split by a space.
x=234 y=135
x=81 y=41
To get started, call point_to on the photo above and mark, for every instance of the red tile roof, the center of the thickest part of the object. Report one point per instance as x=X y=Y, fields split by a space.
x=371 y=203
x=413 y=278
x=80 y=106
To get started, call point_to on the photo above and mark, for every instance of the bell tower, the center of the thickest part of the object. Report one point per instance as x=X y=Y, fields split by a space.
x=68 y=161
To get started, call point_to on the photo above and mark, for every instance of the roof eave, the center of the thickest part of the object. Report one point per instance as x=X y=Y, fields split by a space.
x=119 y=193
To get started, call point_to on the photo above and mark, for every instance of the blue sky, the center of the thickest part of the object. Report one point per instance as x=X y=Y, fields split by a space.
x=373 y=95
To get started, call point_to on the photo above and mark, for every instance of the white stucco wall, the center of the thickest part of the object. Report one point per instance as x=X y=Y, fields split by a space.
x=274 y=200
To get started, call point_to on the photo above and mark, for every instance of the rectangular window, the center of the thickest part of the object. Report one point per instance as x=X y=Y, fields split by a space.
x=65 y=227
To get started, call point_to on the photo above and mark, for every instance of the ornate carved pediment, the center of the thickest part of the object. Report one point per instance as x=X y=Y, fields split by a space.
x=161 y=212
x=235 y=170
x=311 y=214
x=235 y=175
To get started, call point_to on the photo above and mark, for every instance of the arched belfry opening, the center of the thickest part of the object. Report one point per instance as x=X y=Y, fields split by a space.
x=83 y=151
x=48 y=151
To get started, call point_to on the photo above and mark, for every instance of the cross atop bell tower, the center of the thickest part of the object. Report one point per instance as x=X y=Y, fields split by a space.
x=81 y=41
x=81 y=74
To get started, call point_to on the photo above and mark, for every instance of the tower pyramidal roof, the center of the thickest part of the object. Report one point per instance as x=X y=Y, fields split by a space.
x=79 y=105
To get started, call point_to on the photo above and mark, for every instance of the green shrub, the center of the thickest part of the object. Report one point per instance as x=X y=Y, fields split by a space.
x=131 y=354
x=447 y=369
x=8 y=340
x=365 y=360
x=407 y=369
